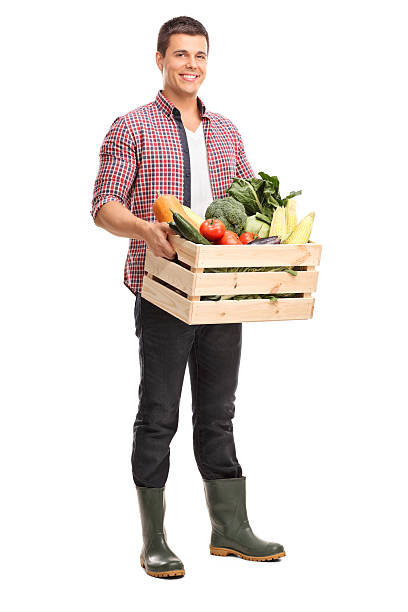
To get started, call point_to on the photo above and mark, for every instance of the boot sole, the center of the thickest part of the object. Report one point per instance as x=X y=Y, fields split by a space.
x=167 y=574
x=224 y=552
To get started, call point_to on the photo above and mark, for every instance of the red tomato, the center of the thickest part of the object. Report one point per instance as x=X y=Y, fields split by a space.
x=229 y=238
x=212 y=229
x=246 y=237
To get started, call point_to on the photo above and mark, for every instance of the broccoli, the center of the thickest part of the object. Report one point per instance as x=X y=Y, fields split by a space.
x=230 y=212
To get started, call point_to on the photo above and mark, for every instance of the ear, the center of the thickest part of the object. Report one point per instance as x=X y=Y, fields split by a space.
x=159 y=60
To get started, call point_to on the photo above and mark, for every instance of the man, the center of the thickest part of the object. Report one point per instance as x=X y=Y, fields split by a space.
x=174 y=145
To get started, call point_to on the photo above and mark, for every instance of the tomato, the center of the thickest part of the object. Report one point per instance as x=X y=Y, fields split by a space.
x=246 y=237
x=229 y=238
x=212 y=229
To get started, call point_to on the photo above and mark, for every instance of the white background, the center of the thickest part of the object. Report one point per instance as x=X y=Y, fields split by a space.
x=317 y=90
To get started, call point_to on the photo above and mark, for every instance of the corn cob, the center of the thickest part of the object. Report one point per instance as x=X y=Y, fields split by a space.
x=291 y=216
x=302 y=231
x=192 y=216
x=278 y=225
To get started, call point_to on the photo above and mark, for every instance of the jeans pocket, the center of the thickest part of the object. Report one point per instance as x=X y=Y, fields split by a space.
x=138 y=313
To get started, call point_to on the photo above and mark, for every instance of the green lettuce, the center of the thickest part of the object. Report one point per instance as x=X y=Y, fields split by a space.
x=259 y=195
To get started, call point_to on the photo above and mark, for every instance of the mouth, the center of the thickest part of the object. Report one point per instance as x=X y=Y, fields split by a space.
x=187 y=76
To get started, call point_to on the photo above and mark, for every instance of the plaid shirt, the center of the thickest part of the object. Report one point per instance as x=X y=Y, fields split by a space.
x=146 y=151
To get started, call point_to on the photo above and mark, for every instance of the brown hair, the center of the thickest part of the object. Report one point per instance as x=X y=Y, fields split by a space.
x=179 y=25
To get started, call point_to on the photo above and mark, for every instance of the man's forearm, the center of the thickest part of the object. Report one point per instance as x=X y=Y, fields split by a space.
x=118 y=220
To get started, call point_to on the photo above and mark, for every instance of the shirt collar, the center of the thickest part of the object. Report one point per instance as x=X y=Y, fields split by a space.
x=168 y=107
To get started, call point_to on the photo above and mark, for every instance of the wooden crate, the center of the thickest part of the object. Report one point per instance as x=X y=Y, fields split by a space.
x=177 y=287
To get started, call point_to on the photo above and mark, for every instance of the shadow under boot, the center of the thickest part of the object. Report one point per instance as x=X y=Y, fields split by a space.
x=156 y=557
x=231 y=531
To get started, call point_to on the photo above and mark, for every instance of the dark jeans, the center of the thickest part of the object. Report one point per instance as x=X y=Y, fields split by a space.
x=213 y=353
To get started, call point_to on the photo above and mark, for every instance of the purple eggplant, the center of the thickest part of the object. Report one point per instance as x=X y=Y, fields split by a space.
x=270 y=240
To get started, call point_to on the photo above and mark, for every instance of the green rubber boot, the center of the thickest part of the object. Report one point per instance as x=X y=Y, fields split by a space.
x=231 y=531
x=156 y=557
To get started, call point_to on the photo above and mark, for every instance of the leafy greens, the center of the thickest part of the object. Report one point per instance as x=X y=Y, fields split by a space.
x=259 y=195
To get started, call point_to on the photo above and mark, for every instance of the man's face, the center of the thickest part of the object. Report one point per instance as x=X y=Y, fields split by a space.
x=185 y=55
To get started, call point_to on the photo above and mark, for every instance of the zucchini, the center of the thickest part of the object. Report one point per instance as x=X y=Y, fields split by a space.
x=174 y=227
x=188 y=231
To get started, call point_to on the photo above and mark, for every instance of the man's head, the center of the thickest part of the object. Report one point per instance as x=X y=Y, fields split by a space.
x=182 y=49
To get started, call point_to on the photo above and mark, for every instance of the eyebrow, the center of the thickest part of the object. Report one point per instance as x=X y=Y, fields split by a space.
x=185 y=51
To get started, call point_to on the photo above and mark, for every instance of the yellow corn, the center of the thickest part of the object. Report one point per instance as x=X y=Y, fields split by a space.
x=278 y=225
x=302 y=231
x=291 y=216
x=192 y=216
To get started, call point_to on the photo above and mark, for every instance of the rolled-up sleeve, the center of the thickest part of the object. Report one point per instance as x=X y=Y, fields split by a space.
x=243 y=169
x=117 y=168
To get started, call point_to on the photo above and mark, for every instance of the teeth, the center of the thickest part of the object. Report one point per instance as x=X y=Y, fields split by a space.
x=189 y=76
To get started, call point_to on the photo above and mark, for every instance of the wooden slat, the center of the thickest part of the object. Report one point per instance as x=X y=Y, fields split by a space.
x=235 y=283
x=170 y=272
x=236 y=311
x=212 y=256
x=270 y=255
x=167 y=299
x=225 y=311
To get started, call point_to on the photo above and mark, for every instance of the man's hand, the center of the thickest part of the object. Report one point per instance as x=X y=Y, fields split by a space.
x=118 y=220
x=155 y=236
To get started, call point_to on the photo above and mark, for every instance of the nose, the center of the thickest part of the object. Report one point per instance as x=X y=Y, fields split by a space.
x=192 y=62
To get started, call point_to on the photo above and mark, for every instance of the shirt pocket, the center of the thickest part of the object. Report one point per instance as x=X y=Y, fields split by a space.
x=226 y=155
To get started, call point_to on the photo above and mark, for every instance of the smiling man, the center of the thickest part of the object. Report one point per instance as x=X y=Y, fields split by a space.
x=174 y=145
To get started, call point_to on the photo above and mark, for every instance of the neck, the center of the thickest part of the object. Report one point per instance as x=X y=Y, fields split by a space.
x=186 y=104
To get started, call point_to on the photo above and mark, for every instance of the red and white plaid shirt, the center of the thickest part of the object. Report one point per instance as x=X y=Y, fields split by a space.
x=146 y=151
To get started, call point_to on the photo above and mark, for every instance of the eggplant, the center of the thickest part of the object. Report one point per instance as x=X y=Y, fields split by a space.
x=263 y=241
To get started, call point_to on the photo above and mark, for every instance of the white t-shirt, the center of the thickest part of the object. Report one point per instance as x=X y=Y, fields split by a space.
x=201 y=195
